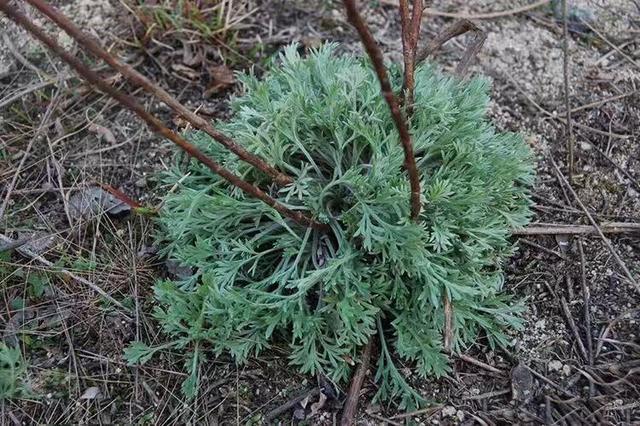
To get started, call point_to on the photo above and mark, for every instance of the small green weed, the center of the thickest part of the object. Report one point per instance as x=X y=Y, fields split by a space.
x=12 y=372
x=208 y=20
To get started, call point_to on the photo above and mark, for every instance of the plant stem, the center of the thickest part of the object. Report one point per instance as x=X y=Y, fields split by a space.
x=375 y=54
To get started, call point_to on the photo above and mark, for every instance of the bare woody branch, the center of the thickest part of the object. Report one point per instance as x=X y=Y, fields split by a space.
x=457 y=28
x=373 y=50
x=155 y=124
x=351 y=403
x=410 y=35
x=134 y=76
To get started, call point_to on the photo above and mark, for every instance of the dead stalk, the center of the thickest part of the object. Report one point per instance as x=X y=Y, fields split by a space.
x=448 y=323
x=410 y=35
x=565 y=71
x=375 y=54
x=351 y=405
x=155 y=124
x=563 y=229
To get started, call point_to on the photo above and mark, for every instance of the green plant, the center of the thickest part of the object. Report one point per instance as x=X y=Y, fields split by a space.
x=12 y=370
x=259 y=277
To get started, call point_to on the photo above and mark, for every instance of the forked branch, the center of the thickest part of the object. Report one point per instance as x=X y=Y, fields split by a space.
x=410 y=36
x=457 y=28
x=375 y=54
x=155 y=124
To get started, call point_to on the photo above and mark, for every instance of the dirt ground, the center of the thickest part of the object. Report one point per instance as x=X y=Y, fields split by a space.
x=577 y=361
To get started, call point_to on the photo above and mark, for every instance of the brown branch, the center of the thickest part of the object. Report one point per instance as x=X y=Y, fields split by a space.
x=134 y=76
x=565 y=75
x=403 y=5
x=410 y=57
x=489 y=15
x=351 y=405
x=448 y=323
x=155 y=124
x=562 y=229
x=454 y=30
x=373 y=50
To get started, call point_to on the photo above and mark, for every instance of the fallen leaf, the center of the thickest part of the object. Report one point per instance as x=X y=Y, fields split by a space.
x=94 y=200
x=317 y=406
x=37 y=242
x=563 y=243
x=521 y=383
x=185 y=71
x=190 y=58
x=220 y=78
x=102 y=132
x=178 y=270
x=298 y=414
x=305 y=401
x=91 y=393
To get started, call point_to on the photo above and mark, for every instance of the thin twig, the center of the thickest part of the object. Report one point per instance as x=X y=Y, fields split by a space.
x=603 y=101
x=36 y=137
x=32 y=255
x=384 y=420
x=558 y=118
x=155 y=124
x=565 y=71
x=488 y=15
x=351 y=404
x=574 y=329
x=429 y=411
x=457 y=28
x=561 y=229
x=544 y=249
x=291 y=403
x=373 y=50
x=21 y=94
x=586 y=297
x=487 y=395
x=613 y=46
x=410 y=35
x=606 y=241
x=129 y=72
x=448 y=323
x=478 y=363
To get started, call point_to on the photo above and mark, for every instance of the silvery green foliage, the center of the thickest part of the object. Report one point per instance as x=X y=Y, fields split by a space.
x=263 y=279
